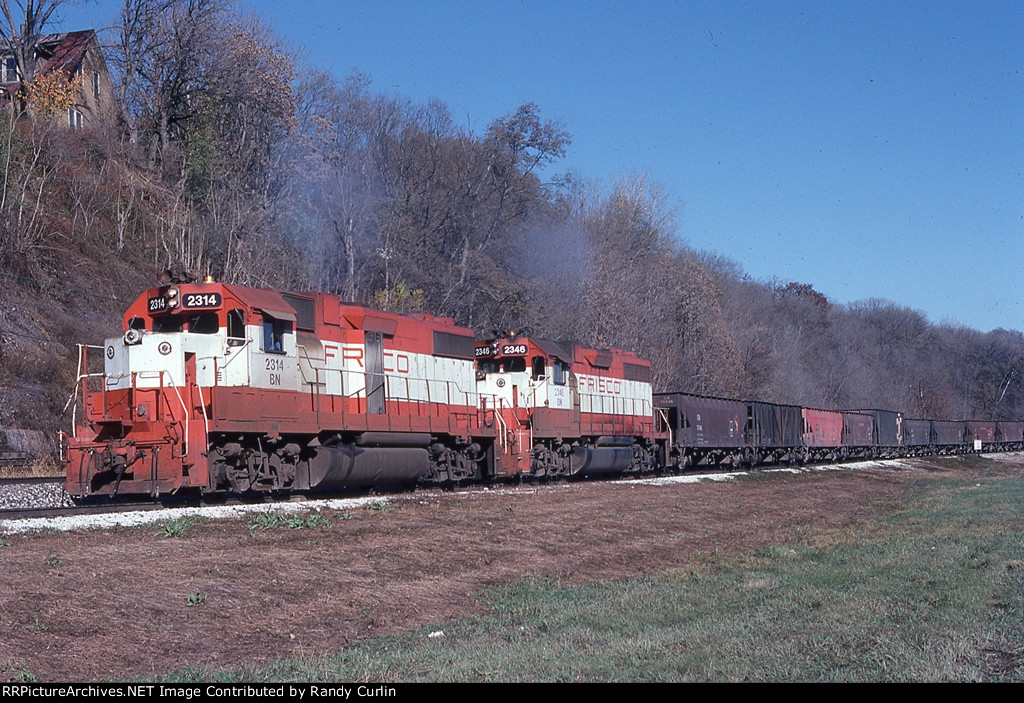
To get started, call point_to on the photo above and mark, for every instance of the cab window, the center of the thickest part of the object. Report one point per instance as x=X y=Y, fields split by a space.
x=236 y=327
x=561 y=370
x=509 y=364
x=204 y=323
x=167 y=323
x=538 y=368
x=274 y=331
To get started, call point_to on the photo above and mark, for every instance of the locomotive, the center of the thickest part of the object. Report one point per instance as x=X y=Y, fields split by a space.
x=216 y=388
x=221 y=388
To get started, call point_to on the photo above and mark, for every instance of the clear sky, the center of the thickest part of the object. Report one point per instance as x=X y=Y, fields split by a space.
x=871 y=149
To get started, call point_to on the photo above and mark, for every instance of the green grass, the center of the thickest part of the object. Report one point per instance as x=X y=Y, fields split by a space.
x=933 y=591
x=177 y=528
x=273 y=520
x=11 y=670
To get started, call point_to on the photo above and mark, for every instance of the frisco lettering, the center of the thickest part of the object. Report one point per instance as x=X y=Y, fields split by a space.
x=598 y=384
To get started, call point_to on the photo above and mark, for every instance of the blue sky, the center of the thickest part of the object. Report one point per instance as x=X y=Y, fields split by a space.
x=871 y=149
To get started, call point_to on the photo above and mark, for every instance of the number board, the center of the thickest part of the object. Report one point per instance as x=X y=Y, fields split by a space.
x=514 y=349
x=158 y=304
x=484 y=351
x=202 y=300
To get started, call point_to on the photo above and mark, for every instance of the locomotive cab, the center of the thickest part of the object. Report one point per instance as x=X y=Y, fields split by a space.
x=521 y=375
x=202 y=334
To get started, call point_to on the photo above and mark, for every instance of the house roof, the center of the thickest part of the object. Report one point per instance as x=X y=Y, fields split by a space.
x=64 y=50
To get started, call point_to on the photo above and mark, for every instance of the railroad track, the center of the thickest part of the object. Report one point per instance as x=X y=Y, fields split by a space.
x=166 y=503
x=29 y=480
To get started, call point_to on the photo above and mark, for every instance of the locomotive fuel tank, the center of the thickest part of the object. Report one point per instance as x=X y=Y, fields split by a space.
x=376 y=459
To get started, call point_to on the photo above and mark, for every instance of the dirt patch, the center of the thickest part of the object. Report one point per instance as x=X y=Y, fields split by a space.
x=127 y=603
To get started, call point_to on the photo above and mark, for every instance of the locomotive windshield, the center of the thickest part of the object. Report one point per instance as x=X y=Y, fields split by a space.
x=204 y=323
x=167 y=323
x=511 y=364
x=199 y=323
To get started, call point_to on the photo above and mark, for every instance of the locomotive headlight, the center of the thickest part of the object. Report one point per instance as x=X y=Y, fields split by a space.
x=172 y=292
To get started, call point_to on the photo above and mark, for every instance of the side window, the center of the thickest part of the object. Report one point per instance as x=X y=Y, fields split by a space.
x=274 y=331
x=538 y=368
x=560 y=372
x=236 y=328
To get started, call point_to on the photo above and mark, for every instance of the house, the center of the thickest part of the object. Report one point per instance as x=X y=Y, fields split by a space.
x=78 y=54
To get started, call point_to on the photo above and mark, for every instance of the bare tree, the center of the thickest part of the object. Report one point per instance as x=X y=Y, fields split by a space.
x=24 y=27
x=160 y=56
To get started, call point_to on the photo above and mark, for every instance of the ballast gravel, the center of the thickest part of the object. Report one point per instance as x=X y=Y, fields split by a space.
x=25 y=496
x=53 y=494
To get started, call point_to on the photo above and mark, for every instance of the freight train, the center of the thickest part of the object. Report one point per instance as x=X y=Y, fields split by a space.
x=218 y=388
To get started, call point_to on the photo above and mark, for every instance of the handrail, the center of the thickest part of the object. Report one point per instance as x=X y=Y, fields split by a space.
x=502 y=427
x=668 y=425
x=234 y=356
x=160 y=377
x=73 y=400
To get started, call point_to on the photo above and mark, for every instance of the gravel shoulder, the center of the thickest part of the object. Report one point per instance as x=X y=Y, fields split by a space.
x=128 y=602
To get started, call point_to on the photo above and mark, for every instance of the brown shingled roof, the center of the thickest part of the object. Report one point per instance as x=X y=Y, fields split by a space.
x=64 y=50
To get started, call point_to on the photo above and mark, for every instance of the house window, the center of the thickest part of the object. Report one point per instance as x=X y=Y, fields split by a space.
x=9 y=70
x=96 y=85
x=74 y=118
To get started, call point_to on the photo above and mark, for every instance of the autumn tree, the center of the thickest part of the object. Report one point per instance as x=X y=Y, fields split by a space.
x=52 y=94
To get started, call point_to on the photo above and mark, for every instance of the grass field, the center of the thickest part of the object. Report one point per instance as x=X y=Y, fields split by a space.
x=933 y=591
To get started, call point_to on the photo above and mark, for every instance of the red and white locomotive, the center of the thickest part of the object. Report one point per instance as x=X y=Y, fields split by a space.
x=578 y=411
x=218 y=388
x=226 y=388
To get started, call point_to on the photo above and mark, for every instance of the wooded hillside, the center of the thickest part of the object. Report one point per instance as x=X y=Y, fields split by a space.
x=229 y=157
